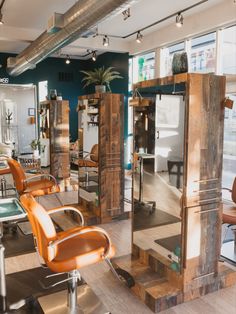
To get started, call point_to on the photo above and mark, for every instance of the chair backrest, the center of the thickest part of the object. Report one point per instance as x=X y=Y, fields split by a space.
x=94 y=153
x=234 y=191
x=18 y=174
x=42 y=227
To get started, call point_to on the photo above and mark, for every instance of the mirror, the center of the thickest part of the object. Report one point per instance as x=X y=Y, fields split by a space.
x=88 y=150
x=18 y=117
x=158 y=164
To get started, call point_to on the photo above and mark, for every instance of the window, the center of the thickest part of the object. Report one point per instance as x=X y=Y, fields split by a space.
x=144 y=67
x=167 y=57
x=42 y=90
x=203 y=53
x=229 y=160
x=229 y=50
x=130 y=73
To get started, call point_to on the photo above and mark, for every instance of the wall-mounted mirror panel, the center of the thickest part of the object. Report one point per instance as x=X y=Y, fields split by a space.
x=158 y=166
x=88 y=149
x=18 y=116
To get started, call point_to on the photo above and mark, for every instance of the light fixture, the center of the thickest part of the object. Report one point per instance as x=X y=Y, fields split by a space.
x=179 y=20
x=105 y=41
x=1 y=19
x=126 y=14
x=1 y=15
x=67 y=59
x=139 y=37
x=94 y=56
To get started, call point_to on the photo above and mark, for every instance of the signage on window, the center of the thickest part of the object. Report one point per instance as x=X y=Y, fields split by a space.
x=4 y=80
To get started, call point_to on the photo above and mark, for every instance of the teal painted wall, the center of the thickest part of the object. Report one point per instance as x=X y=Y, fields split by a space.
x=49 y=68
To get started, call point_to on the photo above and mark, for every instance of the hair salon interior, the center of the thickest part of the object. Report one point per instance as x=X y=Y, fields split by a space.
x=117 y=156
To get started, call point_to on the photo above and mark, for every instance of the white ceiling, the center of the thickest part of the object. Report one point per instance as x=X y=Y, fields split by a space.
x=25 y=20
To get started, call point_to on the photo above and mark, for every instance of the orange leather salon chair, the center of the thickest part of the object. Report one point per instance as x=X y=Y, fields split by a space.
x=36 y=185
x=70 y=250
x=229 y=217
x=90 y=160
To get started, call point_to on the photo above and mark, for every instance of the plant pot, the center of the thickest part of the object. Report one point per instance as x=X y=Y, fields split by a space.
x=36 y=153
x=180 y=63
x=100 y=88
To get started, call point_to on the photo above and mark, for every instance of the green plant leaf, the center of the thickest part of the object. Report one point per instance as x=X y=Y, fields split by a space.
x=100 y=76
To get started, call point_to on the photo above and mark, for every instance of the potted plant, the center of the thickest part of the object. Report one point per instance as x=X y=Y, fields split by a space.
x=37 y=147
x=101 y=78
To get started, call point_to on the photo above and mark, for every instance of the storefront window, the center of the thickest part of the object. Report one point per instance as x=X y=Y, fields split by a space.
x=130 y=73
x=229 y=160
x=42 y=90
x=203 y=53
x=167 y=57
x=229 y=50
x=144 y=67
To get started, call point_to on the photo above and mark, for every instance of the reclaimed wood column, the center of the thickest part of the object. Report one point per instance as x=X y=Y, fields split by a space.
x=202 y=179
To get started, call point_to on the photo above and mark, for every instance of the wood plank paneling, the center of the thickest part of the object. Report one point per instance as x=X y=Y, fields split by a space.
x=59 y=139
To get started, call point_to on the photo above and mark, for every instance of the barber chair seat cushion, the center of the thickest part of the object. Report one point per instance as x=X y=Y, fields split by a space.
x=229 y=214
x=79 y=251
x=87 y=163
x=42 y=187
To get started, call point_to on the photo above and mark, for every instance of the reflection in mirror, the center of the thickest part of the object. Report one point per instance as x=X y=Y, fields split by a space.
x=88 y=150
x=158 y=176
x=18 y=122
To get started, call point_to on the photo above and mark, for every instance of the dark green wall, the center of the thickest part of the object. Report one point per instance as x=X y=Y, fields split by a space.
x=49 y=68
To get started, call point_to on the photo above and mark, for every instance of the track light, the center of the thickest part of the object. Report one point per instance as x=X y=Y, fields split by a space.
x=94 y=56
x=179 y=20
x=1 y=18
x=126 y=14
x=105 y=41
x=139 y=37
x=67 y=60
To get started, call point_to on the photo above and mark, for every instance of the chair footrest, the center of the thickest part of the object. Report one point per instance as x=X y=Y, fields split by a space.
x=88 y=302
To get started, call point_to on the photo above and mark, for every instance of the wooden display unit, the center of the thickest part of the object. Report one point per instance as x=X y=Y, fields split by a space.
x=156 y=283
x=109 y=112
x=56 y=128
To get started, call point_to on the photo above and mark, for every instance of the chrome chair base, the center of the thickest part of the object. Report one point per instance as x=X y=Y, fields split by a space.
x=88 y=302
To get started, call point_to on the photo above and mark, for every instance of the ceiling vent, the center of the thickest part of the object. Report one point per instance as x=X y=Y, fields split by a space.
x=83 y=16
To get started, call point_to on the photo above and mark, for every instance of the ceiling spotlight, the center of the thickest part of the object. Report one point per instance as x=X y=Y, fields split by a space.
x=94 y=56
x=105 y=41
x=179 y=20
x=1 y=19
x=139 y=37
x=126 y=14
x=67 y=60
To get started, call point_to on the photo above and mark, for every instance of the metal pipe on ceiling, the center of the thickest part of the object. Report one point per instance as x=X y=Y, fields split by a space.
x=81 y=17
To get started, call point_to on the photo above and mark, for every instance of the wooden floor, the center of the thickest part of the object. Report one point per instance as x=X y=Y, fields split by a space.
x=118 y=298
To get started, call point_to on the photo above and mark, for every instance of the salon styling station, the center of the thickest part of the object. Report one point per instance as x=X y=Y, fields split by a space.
x=175 y=256
x=101 y=119
x=54 y=128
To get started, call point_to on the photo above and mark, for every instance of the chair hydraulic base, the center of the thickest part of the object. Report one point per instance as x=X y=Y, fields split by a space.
x=88 y=302
x=149 y=206
x=228 y=251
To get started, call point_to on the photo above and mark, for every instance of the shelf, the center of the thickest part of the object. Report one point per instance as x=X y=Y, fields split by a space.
x=93 y=123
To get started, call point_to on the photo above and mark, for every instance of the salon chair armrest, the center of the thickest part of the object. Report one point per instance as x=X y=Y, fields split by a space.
x=83 y=231
x=40 y=176
x=62 y=209
x=227 y=189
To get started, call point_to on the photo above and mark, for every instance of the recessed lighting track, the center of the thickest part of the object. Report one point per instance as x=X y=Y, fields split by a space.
x=178 y=19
